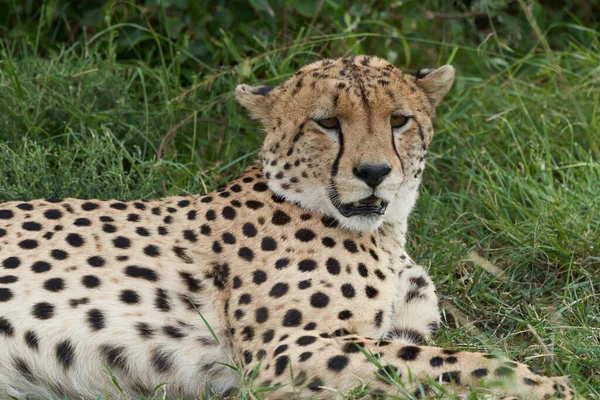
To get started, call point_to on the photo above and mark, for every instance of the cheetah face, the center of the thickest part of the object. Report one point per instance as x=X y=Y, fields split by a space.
x=347 y=138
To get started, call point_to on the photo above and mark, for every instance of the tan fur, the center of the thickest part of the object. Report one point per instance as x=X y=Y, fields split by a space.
x=294 y=291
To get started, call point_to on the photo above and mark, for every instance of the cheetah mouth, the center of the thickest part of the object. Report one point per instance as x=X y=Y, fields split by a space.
x=369 y=206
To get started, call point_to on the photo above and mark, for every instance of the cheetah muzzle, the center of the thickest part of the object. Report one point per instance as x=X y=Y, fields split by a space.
x=297 y=267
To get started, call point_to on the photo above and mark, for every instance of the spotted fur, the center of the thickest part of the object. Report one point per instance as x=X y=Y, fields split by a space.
x=294 y=291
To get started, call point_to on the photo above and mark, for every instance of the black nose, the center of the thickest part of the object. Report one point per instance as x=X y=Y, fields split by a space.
x=372 y=174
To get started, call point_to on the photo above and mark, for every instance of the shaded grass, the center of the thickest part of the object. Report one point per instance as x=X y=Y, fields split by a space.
x=512 y=175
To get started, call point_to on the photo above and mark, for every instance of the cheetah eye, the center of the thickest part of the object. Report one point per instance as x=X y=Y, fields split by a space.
x=398 y=121
x=329 y=123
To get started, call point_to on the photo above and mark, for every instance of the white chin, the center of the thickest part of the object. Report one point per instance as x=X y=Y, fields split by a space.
x=358 y=223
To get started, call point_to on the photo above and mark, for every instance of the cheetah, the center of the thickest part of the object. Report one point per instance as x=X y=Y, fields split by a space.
x=296 y=271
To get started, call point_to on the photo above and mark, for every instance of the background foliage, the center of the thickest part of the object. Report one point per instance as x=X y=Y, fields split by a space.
x=132 y=99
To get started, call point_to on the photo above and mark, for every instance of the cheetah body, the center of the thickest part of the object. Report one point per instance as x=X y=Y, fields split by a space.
x=267 y=273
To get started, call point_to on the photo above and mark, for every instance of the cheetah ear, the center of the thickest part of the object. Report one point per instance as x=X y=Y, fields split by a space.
x=435 y=82
x=255 y=99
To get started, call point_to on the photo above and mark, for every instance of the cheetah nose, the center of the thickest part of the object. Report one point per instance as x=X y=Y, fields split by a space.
x=372 y=174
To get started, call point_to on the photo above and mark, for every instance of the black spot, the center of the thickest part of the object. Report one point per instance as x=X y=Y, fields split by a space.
x=228 y=213
x=281 y=364
x=292 y=317
x=228 y=238
x=279 y=289
x=237 y=282
x=216 y=247
x=82 y=222
x=11 y=263
x=151 y=251
x=337 y=363
x=114 y=356
x=378 y=319
x=452 y=376
x=161 y=301
x=53 y=214
x=173 y=332
x=65 y=353
x=54 y=285
x=350 y=246
x=28 y=244
x=362 y=270
x=371 y=292
x=380 y=274
x=75 y=240
x=118 y=206
x=32 y=340
x=95 y=319
x=260 y=187
x=479 y=373
x=133 y=217
x=43 y=310
x=348 y=290
x=282 y=263
x=206 y=199
x=328 y=242
x=344 y=315
x=40 y=267
x=246 y=253
x=142 y=231
x=183 y=203
x=436 y=361
x=144 y=330
x=333 y=266
x=90 y=281
x=306 y=340
x=161 y=360
x=32 y=226
x=280 y=349
x=248 y=333
x=319 y=300
x=305 y=235
x=268 y=335
x=249 y=230
x=181 y=253
x=374 y=255
x=305 y=356
x=528 y=381
x=89 y=206
x=129 y=296
x=305 y=284
x=254 y=205
x=220 y=275
x=409 y=353
x=25 y=207
x=193 y=284
x=451 y=360
x=280 y=218
x=259 y=277
x=8 y=279
x=409 y=335
x=388 y=372
x=6 y=328
x=140 y=272
x=268 y=244
x=121 y=242
x=245 y=299
x=262 y=314
x=96 y=261
x=307 y=265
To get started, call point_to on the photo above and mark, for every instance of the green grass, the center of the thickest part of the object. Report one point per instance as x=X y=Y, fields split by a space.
x=513 y=172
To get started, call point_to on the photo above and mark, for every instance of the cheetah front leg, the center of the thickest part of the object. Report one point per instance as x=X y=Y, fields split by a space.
x=416 y=314
x=306 y=365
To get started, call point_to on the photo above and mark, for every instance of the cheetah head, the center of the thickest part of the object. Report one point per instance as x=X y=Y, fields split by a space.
x=347 y=137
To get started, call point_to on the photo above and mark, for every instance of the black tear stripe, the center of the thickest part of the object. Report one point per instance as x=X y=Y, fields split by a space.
x=397 y=153
x=336 y=164
x=421 y=132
